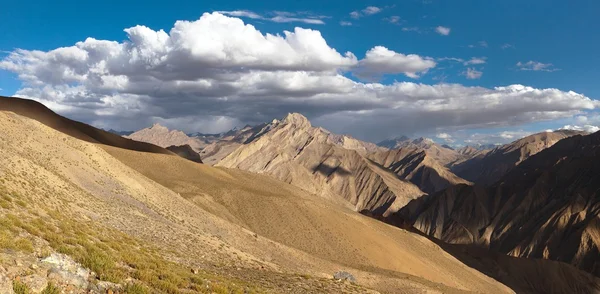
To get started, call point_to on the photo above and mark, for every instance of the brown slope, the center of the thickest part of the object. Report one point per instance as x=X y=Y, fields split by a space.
x=415 y=165
x=546 y=207
x=229 y=141
x=494 y=164
x=41 y=113
x=313 y=159
x=152 y=197
x=443 y=155
x=186 y=152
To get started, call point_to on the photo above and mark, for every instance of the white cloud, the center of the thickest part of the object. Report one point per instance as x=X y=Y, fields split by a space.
x=380 y=60
x=585 y=128
x=497 y=138
x=475 y=60
x=507 y=46
x=446 y=137
x=444 y=31
x=219 y=67
x=394 y=19
x=472 y=74
x=280 y=16
x=345 y=23
x=370 y=10
x=536 y=66
x=411 y=29
x=482 y=44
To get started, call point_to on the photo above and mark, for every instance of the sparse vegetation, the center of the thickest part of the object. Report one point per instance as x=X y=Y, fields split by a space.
x=20 y=288
x=112 y=255
x=51 y=289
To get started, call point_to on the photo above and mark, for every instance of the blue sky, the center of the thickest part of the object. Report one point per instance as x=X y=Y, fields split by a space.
x=555 y=40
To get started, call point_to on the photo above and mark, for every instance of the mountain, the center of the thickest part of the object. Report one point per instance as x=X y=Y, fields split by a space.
x=187 y=152
x=89 y=216
x=547 y=207
x=229 y=141
x=444 y=155
x=323 y=163
x=393 y=143
x=163 y=137
x=120 y=133
x=39 y=112
x=417 y=166
x=492 y=165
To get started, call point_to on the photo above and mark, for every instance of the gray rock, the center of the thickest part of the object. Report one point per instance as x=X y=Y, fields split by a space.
x=64 y=269
x=36 y=283
x=344 y=276
x=104 y=286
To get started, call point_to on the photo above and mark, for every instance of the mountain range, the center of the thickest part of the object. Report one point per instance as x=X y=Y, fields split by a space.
x=273 y=208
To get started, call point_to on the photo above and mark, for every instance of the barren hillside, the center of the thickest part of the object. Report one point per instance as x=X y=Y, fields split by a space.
x=239 y=230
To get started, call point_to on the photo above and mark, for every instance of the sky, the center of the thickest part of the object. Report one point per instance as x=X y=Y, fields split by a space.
x=460 y=72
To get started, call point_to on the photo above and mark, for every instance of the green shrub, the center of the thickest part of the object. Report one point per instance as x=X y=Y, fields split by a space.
x=51 y=289
x=20 y=288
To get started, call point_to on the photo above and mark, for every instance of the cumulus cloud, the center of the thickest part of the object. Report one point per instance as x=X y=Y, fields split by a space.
x=279 y=16
x=345 y=23
x=217 y=71
x=507 y=46
x=444 y=31
x=585 y=128
x=536 y=66
x=472 y=74
x=380 y=61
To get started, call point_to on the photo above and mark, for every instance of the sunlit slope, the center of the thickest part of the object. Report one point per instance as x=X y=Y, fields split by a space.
x=296 y=234
x=288 y=215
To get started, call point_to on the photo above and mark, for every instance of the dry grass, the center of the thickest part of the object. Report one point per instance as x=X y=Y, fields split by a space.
x=112 y=255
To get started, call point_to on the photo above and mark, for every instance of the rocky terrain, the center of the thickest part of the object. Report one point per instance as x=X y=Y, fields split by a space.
x=416 y=165
x=443 y=155
x=87 y=215
x=163 y=137
x=545 y=207
x=325 y=164
x=488 y=166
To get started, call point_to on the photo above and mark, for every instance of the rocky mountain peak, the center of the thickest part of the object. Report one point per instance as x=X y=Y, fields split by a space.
x=297 y=119
x=159 y=127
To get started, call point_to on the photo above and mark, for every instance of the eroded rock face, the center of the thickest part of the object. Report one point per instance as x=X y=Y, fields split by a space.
x=546 y=207
x=491 y=166
x=417 y=166
x=325 y=164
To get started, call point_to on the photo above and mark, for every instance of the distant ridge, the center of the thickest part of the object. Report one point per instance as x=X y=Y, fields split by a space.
x=37 y=111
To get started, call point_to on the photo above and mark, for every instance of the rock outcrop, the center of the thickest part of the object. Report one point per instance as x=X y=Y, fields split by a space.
x=486 y=168
x=547 y=207
x=417 y=166
x=325 y=164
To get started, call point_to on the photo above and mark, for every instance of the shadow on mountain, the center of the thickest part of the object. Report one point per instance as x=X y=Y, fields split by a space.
x=523 y=275
x=328 y=170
